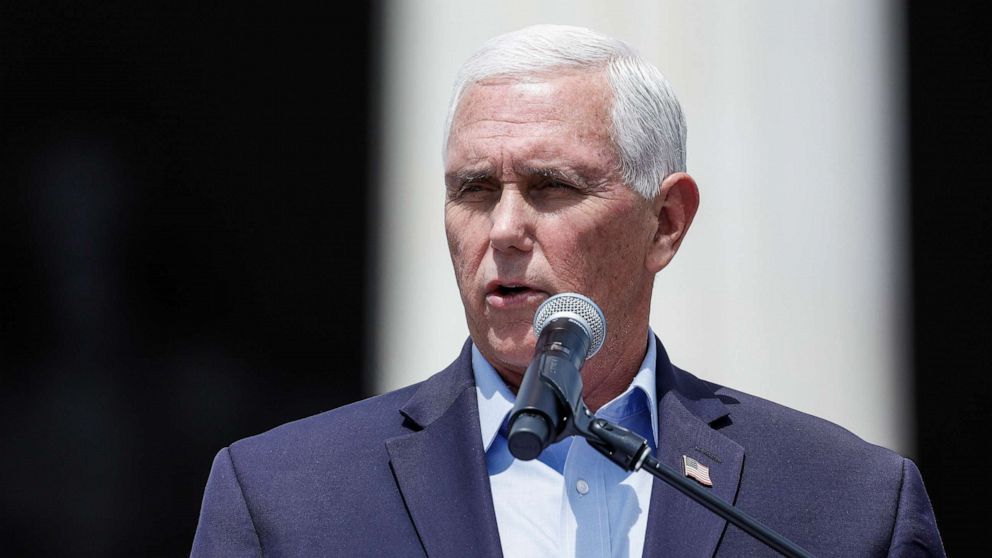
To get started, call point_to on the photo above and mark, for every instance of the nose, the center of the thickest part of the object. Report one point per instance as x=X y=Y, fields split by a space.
x=511 y=223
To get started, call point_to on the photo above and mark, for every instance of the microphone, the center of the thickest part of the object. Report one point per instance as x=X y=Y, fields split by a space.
x=570 y=329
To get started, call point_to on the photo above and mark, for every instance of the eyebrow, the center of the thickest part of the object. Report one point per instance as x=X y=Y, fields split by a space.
x=576 y=175
x=551 y=172
x=463 y=176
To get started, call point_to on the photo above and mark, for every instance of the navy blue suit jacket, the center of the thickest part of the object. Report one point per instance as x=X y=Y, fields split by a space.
x=404 y=474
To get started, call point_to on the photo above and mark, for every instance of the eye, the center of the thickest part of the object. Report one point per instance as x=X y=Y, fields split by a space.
x=472 y=187
x=555 y=185
x=471 y=190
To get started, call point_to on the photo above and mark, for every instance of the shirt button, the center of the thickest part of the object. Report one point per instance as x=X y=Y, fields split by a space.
x=582 y=486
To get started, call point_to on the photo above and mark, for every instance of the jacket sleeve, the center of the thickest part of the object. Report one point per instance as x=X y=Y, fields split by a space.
x=226 y=527
x=915 y=531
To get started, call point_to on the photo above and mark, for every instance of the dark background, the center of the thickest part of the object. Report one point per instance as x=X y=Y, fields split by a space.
x=184 y=253
x=184 y=193
x=950 y=89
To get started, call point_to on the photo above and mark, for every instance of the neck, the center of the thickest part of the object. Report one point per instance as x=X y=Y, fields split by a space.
x=608 y=375
x=610 y=372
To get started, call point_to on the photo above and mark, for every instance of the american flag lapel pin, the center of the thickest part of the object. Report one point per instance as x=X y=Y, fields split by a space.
x=696 y=470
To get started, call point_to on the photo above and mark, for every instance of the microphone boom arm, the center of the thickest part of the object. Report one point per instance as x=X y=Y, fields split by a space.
x=631 y=452
x=549 y=408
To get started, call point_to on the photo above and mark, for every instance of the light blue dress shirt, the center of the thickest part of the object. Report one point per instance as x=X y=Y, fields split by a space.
x=570 y=501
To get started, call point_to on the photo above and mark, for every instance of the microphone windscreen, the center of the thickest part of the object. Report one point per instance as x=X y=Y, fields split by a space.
x=577 y=307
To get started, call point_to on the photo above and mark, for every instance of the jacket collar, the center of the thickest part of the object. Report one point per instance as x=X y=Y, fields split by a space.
x=438 y=393
x=689 y=413
x=453 y=512
x=440 y=466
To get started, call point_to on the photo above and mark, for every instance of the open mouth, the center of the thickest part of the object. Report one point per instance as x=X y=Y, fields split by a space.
x=506 y=295
x=510 y=290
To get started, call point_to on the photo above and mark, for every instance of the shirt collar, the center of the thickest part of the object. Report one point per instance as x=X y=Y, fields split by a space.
x=496 y=400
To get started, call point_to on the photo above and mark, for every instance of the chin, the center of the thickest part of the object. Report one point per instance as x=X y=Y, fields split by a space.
x=512 y=352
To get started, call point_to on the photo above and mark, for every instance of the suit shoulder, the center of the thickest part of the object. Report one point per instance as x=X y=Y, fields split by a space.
x=757 y=421
x=342 y=437
x=362 y=422
x=806 y=476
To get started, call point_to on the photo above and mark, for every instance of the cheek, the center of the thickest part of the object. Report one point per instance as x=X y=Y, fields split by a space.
x=466 y=244
x=600 y=260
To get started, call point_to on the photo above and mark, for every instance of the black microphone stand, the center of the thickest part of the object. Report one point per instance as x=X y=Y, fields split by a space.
x=631 y=452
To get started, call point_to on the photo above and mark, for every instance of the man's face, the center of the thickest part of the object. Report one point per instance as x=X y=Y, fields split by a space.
x=535 y=207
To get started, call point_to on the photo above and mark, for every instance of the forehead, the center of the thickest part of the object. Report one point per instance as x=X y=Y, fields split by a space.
x=540 y=115
x=586 y=91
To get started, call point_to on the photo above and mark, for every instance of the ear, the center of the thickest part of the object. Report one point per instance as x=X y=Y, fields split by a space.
x=674 y=206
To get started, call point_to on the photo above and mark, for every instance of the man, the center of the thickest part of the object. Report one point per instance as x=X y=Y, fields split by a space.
x=564 y=172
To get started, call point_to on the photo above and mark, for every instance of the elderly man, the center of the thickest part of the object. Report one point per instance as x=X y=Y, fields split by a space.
x=564 y=172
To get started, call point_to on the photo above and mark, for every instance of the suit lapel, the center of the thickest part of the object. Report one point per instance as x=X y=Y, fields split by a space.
x=678 y=526
x=441 y=472
x=440 y=467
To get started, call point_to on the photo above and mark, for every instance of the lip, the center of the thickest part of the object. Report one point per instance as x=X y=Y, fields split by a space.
x=528 y=294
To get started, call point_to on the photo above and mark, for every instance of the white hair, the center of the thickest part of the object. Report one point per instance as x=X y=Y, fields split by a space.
x=647 y=125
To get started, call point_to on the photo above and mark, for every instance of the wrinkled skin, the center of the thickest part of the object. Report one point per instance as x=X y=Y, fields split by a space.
x=535 y=206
